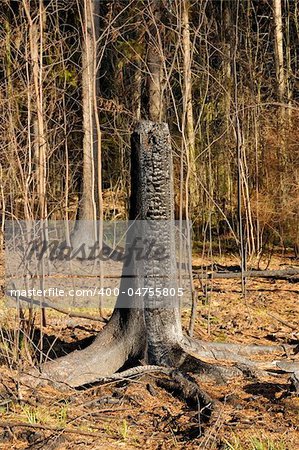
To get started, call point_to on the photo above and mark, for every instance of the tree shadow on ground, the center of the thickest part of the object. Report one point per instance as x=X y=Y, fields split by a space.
x=265 y=389
x=50 y=345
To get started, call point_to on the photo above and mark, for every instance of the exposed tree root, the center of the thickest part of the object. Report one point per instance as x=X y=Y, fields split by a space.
x=247 y=350
x=134 y=372
x=179 y=383
x=120 y=340
x=219 y=372
x=233 y=352
x=116 y=345
x=186 y=388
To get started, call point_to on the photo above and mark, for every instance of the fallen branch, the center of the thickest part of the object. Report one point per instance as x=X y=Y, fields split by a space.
x=290 y=274
x=237 y=355
x=49 y=304
x=135 y=371
x=183 y=384
x=49 y=427
x=186 y=388
x=286 y=324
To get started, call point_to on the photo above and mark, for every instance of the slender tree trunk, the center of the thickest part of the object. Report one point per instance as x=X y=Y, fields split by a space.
x=36 y=34
x=281 y=93
x=191 y=186
x=40 y=143
x=155 y=105
x=87 y=209
x=227 y=50
x=136 y=101
x=240 y=157
x=288 y=53
x=279 y=58
x=90 y=205
x=191 y=181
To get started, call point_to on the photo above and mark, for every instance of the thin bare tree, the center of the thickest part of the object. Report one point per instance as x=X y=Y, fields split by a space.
x=90 y=206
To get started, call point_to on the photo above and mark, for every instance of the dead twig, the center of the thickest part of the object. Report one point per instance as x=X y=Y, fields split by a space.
x=47 y=427
x=290 y=274
x=49 y=304
x=292 y=327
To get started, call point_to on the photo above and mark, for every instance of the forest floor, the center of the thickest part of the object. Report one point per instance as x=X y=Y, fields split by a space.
x=139 y=413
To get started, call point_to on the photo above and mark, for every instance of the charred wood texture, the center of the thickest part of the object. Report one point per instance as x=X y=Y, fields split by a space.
x=154 y=200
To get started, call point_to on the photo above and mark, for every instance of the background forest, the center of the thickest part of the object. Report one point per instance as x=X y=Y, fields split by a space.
x=76 y=76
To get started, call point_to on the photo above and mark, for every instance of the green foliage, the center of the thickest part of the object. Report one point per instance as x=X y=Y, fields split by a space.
x=130 y=50
x=124 y=429
x=62 y=415
x=70 y=76
x=31 y=414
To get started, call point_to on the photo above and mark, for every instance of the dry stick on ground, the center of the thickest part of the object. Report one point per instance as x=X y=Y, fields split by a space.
x=286 y=324
x=289 y=274
x=49 y=304
x=158 y=323
x=53 y=428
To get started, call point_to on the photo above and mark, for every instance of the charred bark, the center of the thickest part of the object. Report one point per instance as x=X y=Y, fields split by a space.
x=151 y=157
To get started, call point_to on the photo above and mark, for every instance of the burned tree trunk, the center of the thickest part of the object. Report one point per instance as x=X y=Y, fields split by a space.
x=154 y=198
